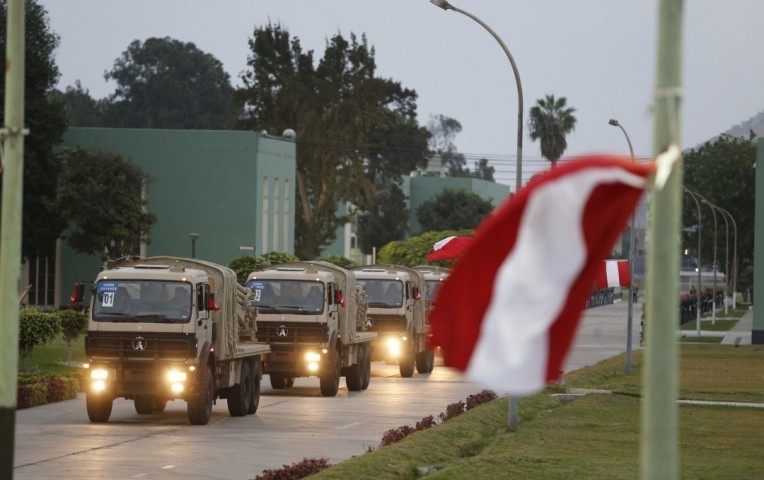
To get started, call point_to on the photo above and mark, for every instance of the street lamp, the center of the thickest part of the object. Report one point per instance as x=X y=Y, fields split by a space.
x=519 y=176
x=713 y=265
x=726 y=254
x=734 y=260
x=697 y=294
x=630 y=314
x=193 y=237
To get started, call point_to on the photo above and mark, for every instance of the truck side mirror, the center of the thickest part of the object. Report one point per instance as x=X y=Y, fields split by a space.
x=415 y=293
x=338 y=298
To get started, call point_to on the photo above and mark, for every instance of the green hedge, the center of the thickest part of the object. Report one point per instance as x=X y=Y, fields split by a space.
x=39 y=389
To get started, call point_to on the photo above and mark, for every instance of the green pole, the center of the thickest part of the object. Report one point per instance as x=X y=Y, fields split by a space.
x=659 y=438
x=10 y=231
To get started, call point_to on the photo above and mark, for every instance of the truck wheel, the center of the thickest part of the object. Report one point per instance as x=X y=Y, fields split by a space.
x=289 y=382
x=354 y=378
x=406 y=363
x=425 y=361
x=99 y=407
x=144 y=404
x=330 y=380
x=240 y=395
x=200 y=405
x=254 y=400
x=366 y=366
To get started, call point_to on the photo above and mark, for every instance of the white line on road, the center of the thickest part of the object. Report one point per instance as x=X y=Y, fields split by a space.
x=343 y=427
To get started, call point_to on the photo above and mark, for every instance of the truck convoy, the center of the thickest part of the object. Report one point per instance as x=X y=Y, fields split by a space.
x=398 y=315
x=313 y=316
x=166 y=328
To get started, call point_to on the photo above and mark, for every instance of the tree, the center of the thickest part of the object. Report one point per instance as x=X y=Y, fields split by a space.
x=384 y=220
x=443 y=130
x=550 y=121
x=81 y=109
x=46 y=121
x=99 y=194
x=73 y=324
x=413 y=251
x=722 y=170
x=453 y=210
x=166 y=83
x=483 y=170
x=246 y=264
x=335 y=107
x=339 y=260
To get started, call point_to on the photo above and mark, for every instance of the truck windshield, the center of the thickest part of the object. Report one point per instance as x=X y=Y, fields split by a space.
x=383 y=293
x=153 y=301
x=304 y=297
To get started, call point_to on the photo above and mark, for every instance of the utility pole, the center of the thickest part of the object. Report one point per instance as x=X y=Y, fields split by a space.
x=10 y=230
x=659 y=437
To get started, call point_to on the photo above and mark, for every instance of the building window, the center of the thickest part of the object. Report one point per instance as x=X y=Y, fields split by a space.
x=42 y=277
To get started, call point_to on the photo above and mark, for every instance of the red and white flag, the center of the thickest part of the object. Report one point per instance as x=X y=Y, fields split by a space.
x=507 y=314
x=448 y=248
x=613 y=273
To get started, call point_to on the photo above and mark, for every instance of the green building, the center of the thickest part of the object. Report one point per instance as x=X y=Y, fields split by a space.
x=234 y=190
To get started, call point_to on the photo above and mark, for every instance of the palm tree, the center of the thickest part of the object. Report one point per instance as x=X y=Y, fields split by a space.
x=551 y=121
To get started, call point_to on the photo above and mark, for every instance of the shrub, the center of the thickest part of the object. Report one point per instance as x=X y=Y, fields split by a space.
x=396 y=434
x=339 y=260
x=305 y=468
x=425 y=423
x=480 y=398
x=38 y=389
x=35 y=328
x=31 y=395
x=453 y=410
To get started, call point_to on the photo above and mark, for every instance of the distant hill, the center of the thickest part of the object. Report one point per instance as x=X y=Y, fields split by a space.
x=755 y=123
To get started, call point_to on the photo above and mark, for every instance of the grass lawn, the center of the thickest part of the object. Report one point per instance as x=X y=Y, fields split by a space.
x=596 y=437
x=51 y=357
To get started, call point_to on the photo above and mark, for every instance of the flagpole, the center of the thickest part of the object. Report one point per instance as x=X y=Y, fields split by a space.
x=10 y=230
x=659 y=438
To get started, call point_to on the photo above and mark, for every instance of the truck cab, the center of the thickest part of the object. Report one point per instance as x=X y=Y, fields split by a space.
x=397 y=313
x=309 y=313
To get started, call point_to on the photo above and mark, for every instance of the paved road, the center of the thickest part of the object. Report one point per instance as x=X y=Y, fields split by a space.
x=57 y=441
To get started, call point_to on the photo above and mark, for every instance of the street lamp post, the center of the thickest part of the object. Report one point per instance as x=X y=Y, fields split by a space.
x=734 y=259
x=713 y=265
x=697 y=294
x=726 y=255
x=193 y=237
x=630 y=311
x=519 y=174
x=513 y=401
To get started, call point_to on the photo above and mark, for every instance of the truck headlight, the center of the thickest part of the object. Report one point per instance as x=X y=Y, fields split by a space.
x=394 y=346
x=99 y=374
x=175 y=376
x=313 y=357
x=98 y=386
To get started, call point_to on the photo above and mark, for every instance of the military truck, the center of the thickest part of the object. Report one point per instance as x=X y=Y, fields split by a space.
x=167 y=328
x=313 y=316
x=433 y=277
x=398 y=315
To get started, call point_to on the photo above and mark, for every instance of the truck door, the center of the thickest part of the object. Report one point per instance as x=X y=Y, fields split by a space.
x=204 y=324
x=332 y=306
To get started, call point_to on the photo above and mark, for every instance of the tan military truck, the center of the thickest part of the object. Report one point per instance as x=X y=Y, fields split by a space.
x=314 y=319
x=167 y=328
x=433 y=277
x=398 y=314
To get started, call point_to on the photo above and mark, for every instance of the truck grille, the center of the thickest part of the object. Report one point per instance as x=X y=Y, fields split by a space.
x=137 y=346
x=297 y=332
x=382 y=323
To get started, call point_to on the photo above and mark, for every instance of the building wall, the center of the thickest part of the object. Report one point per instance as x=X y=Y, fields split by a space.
x=232 y=188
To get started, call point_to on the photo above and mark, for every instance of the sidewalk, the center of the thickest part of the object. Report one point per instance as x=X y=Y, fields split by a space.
x=740 y=334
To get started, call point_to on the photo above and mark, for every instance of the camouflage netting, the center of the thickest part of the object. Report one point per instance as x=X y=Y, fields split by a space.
x=236 y=318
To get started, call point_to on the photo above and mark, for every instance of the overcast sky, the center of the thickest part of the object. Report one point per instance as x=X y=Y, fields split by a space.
x=600 y=54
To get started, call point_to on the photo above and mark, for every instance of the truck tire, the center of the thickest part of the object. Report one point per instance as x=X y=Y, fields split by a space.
x=406 y=363
x=257 y=376
x=99 y=407
x=200 y=405
x=240 y=395
x=330 y=379
x=354 y=378
x=145 y=404
x=425 y=361
x=366 y=366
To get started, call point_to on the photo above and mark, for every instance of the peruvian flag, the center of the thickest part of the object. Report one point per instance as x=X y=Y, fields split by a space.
x=507 y=314
x=613 y=273
x=448 y=248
